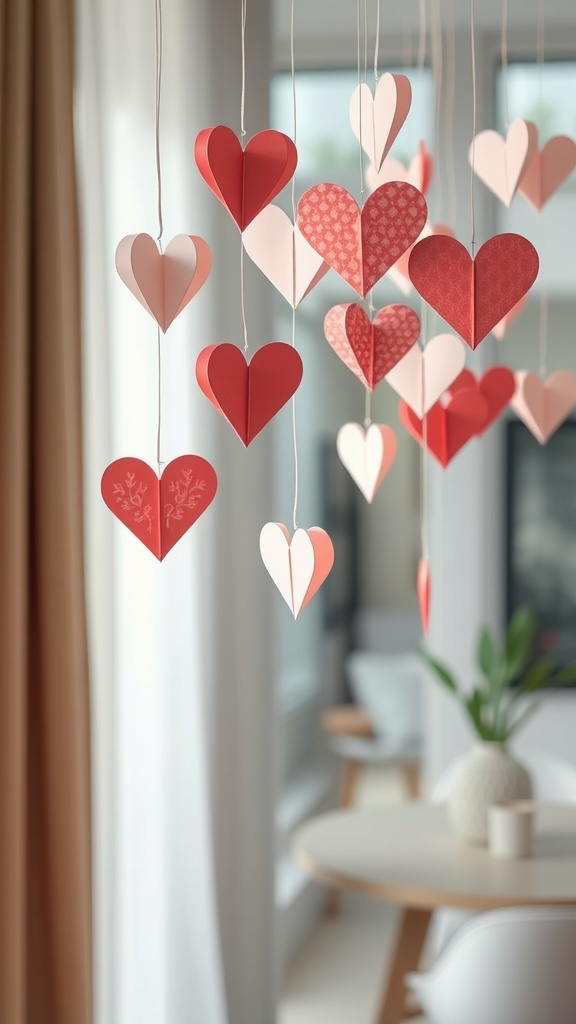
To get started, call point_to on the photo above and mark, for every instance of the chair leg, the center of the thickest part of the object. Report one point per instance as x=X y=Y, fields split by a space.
x=348 y=784
x=405 y=958
x=411 y=776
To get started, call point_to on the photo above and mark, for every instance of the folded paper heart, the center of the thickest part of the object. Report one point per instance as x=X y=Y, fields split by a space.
x=418 y=172
x=159 y=511
x=548 y=169
x=366 y=454
x=399 y=272
x=499 y=329
x=163 y=282
x=500 y=163
x=447 y=428
x=245 y=180
x=361 y=245
x=421 y=376
x=248 y=395
x=298 y=566
x=376 y=120
x=423 y=593
x=543 y=405
x=496 y=386
x=282 y=253
x=473 y=295
x=370 y=350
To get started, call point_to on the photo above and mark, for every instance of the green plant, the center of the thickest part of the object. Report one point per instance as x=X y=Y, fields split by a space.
x=512 y=679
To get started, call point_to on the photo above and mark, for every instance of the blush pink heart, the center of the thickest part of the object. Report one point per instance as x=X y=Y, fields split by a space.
x=500 y=163
x=370 y=350
x=423 y=593
x=417 y=173
x=548 y=169
x=422 y=376
x=282 y=253
x=544 y=405
x=366 y=454
x=163 y=282
x=298 y=566
x=376 y=120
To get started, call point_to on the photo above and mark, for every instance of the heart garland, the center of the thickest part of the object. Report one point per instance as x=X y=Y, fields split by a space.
x=370 y=350
x=422 y=376
x=501 y=163
x=298 y=566
x=376 y=120
x=543 y=405
x=366 y=454
x=164 y=283
x=282 y=253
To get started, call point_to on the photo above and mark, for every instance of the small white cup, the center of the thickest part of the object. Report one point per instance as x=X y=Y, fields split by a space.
x=510 y=826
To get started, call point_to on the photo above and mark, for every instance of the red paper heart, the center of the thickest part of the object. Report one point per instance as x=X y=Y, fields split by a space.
x=450 y=426
x=473 y=295
x=370 y=350
x=497 y=387
x=245 y=180
x=249 y=395
x=361 y=246
x=159 y=511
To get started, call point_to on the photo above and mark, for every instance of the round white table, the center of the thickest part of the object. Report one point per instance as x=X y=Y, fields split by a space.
x=406 y=854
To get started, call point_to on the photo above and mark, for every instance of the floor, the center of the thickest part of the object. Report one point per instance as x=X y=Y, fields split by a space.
x=337 y=974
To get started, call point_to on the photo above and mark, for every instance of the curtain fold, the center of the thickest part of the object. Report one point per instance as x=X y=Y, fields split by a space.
x=45 y=905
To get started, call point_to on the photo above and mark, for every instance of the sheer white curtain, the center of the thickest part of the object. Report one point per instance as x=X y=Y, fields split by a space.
x=182 y=706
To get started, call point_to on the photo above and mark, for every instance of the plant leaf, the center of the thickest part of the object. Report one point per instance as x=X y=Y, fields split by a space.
x=520 y=637
x=474 y=704
x=488 y=657
x=440 y=670
x=564 y=677
x=537 y=676
x=526 y=714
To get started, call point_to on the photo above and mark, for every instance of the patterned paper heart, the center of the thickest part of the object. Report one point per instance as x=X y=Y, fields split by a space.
x=245 y=180
x=497 y=387
x=366 y=454
x=163 y=282
x=376 y=120
x=421 y=376
x=159 y=511
x=361 y=246
x=544 y=405
x=549 y=167
x=417 y=173
x=370 y=350
x=299 y=565
x=500 y=163
x=399 y=272
x=447 y=427
x=473 y=295
x=282 y=253
x=248 y=395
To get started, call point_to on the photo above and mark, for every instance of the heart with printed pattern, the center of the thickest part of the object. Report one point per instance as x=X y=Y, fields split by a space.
x=371 y=349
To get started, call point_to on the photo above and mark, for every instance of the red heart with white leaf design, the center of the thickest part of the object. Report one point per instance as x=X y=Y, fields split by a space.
x=370 y=350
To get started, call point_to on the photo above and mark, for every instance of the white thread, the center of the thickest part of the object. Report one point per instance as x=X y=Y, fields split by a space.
x=472 y=159
x=243 y=89
x=437 y=68
x=359 y=105
x=294 y=125
x=504 y=60
x=242 y=302
x=158 y=46
x=377 y=44
x=424 y=447
x=449 y=109
x=422 y=36
x=367 y=409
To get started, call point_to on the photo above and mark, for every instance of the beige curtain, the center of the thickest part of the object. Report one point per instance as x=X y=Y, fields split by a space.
x=45 y=954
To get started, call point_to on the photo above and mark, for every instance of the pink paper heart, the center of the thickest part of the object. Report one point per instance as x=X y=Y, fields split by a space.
x=298 y=566
x=370 y=350
x=376 y=120
x=500 y=163
x=399 y=272
x=423 y=593
x=417 y=173
x=361 y=246
x=163 y=282
x=366 y=454
x=549 y=167
x=282 y=253
x=421 y=377
x=544 y=405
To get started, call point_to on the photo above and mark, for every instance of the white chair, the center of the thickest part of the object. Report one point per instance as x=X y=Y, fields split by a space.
x=512 y=966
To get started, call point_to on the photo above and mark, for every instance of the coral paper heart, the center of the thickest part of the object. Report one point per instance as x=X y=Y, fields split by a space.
x=549 y=167
x=163 y=282
x=370 y=350
x=423 y=593
x=499 y=329
x=417 y=173
x=361 y=246
x=159 y=511
x=376 y=120
x=500 y=163
x=544 y=405
x=399 y=272
x=447 y=427
x=473 y=295
x=421 y=376
x=248 y=395
x=245 y=180
x=298 y=566
x=497 y=387
x=366 y=454
x=282 y=253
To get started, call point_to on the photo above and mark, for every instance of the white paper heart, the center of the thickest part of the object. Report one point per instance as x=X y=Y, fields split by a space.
x=367 y=455
x=417 y=172
x=298 y=566
x=376 y=120
x=421 y=377
x=282 y=253
x=500 y=163
x=163 y=282
x=544 y=405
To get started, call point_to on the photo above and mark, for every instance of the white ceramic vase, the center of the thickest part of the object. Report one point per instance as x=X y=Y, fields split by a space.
x=485 y=776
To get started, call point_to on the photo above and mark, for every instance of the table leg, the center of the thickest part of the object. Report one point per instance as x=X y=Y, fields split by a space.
x=405 y=958
x=411 y=773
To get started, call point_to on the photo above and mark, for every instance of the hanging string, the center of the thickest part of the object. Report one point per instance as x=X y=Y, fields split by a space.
x=543 y=330
x=424 y=449
x=437 y=71
x=367 y=409
x=422 y=36
x=293 y=196
x=377 y=43
x=472 y=160
x=449 y=110
x=243 y=4
x=158 y=96
x=365 y=39
x=361 y=161
x=504 y=60
x=540 y=55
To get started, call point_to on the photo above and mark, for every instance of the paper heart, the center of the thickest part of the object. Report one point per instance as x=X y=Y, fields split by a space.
x=370 y=350
x=499 y=329
x=163 y=282
x=447 y=427
x=361 y=246
x=421 y=376
x=299 y=566
x=473 y=295
x=500 y=163
x=423 y=593
x=399 y=271
x=248 y=395
x=376 y=120
x=496 y=387
x=245 y=180
x=544 y=405
x=366 y=454
x=549 y=167
x=159 y=511
x=417 y=173
x=282 y=253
